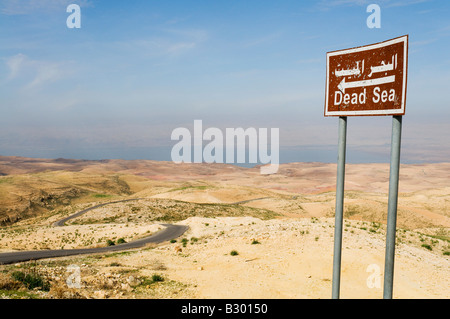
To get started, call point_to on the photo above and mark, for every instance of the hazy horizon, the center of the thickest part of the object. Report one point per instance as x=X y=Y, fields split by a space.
x=312 y=154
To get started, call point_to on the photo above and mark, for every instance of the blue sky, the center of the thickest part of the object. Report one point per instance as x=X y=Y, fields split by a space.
x=136 y=70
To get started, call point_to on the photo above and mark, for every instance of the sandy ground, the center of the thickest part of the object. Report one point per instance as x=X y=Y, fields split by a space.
x=292 y=259
x=278 y=258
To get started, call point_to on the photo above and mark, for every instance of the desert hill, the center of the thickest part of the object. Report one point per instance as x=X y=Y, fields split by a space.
x=279 y=226
x=29 y=187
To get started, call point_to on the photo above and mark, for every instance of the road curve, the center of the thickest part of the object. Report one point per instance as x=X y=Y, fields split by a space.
x=169 y=232
x=61 y=222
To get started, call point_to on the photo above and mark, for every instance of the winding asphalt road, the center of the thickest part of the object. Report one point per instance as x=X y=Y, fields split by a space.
x=169 y=232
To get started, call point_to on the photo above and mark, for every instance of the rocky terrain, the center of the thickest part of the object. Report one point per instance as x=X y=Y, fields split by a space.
x=250 y=235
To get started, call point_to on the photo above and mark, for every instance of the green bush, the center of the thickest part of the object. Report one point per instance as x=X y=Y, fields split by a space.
x=110 y=242
x=146 y=281
x=101 y=195
x=121 y=241
x=234 y=253
x=115 y=264
x=31 y=280
x=156 y=278
x=18 y=275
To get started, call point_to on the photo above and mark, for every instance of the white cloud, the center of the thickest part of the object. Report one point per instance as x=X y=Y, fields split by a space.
x=422 y=42
x=24 y=7
x=403 y=3
x=33 y=73
x=328 y=4
x=46 y=73
x=182 y=40
x=15 y=64
x=170 y=42
x=267 y=39
x=180 y=47
x=310 y=61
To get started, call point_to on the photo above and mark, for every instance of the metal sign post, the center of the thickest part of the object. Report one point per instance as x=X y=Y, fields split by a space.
x=392 y=206
x=339 y=207
x=368 y=81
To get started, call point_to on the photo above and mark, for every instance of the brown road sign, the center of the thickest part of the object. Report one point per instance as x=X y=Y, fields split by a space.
x=367 y=80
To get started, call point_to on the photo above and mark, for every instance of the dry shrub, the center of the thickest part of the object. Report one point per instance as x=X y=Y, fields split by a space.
x=59 y=290
x=158 y=265
x=8 y=283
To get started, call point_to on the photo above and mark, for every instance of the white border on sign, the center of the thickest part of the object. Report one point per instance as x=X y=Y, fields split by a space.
x=400 y=111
